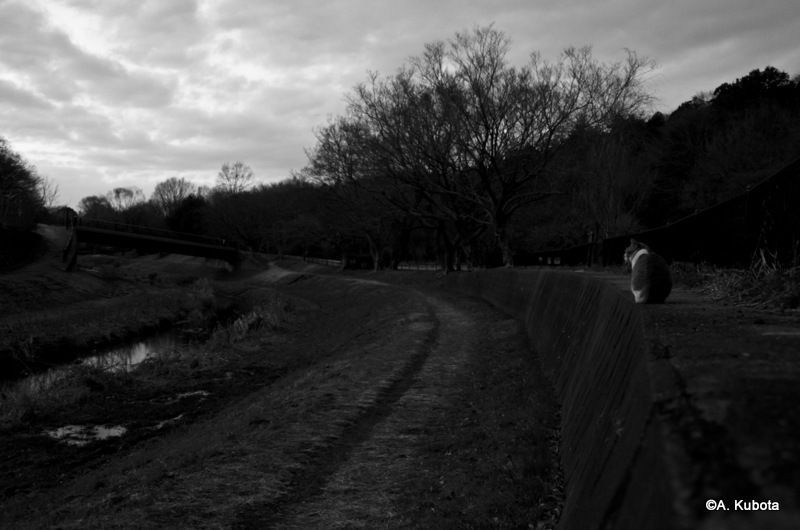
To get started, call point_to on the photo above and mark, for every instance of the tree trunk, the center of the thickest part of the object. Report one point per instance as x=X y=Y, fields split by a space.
x=467 y=249
x=505 y=247
x=399 y=247
x=446 y=249
x=375 y=253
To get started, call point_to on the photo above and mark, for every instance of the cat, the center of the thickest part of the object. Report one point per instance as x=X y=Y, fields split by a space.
x=650 y=279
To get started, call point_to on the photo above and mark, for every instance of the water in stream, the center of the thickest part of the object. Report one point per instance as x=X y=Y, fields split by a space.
x=127 y=357
x=117 y=358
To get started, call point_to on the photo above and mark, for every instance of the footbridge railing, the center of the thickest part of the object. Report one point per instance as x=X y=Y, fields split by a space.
x=144 y=239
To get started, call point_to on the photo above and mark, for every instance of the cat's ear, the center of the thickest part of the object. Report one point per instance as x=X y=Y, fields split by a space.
x=633 y=241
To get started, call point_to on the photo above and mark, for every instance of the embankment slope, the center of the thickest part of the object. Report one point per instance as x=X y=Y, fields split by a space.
x=650 y=432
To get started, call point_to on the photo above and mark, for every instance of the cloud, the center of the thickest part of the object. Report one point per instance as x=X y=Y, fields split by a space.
x=48 y=62
x=108 y=92
x=20 y=98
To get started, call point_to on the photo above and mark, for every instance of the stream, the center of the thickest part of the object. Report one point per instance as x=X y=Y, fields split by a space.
x=124 y=357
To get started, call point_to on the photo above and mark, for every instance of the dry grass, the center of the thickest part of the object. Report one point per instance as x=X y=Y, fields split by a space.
x=269 y=314
x=764 y=285
x=70 y=387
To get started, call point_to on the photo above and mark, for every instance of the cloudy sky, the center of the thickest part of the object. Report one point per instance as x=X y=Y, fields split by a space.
x=105 y=93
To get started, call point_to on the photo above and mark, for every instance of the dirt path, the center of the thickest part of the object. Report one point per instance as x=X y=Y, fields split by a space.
x=364 y=478
x=410 y=408
x=381 y=449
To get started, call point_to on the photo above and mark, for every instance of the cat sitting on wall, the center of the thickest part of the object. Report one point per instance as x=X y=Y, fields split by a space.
x=650 y=278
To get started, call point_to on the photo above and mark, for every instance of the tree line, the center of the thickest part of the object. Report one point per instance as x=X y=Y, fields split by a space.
x=492 y=161
x=459 y=141
x=24 y=193
x=466 y=159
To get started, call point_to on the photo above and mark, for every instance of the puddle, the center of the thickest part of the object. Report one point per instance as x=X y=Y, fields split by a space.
x=81 y=435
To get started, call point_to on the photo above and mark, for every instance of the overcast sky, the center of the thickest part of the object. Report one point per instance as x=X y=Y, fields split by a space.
x=99 y=94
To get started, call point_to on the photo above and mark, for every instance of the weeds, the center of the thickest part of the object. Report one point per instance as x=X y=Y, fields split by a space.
x=765 y=284
x=270 y=315
x=202 y=303
x=61 y=388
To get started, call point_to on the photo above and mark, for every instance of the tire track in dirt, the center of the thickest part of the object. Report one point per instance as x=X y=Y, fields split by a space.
x=325 y=461
x=361 y=488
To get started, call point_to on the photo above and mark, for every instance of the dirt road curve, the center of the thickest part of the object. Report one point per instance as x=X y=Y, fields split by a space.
x=414 y=387
x=412 y=408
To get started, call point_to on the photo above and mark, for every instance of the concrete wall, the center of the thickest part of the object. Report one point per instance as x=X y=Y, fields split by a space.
x=591 y=341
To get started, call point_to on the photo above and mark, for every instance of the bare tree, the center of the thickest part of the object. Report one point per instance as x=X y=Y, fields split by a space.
x=367 y=204
x=611 y=180
x=96 y=207
x=169 y=194
x=48 y=190
x=472 y=136
x=235 y=178
x=122 y=199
